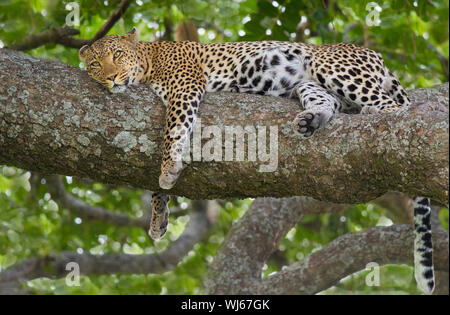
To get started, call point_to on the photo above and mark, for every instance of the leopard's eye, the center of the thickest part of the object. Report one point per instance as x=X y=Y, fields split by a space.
x=95 y=64
x=117 y=54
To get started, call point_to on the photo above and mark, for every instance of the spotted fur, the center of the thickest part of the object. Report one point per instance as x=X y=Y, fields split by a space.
x=327 y=79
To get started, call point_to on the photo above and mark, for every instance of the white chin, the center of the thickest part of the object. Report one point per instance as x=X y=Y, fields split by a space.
x=118 y=89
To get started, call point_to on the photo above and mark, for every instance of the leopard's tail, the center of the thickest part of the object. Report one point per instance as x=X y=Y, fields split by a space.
x=423 y=247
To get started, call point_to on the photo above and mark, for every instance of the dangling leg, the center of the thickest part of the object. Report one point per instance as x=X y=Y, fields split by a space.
x=180 y=119
x=160 y=215
x=319 y=105
x=176 y=133
x=423 y=247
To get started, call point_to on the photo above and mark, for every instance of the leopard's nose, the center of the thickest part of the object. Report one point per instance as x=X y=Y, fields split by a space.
x=112 y=77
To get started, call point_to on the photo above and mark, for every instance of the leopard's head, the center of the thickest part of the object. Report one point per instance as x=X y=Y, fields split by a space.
x=113 y=61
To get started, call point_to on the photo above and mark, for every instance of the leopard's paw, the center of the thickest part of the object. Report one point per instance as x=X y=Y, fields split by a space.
x=170 y=174
x=308 y=121
x=369 y=110
x=159 y=223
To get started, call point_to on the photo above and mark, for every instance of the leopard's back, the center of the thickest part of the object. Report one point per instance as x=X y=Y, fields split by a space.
x=266 y=68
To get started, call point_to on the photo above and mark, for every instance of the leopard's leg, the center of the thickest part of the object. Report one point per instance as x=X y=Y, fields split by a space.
x=319 y=106
x=423 y=246
x=380 y=102
x=160 y=215
x=181 y=115
x=395 y=90
x=366 y=83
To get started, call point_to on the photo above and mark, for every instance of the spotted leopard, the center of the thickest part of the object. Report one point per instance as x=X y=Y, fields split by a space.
x=327 y=79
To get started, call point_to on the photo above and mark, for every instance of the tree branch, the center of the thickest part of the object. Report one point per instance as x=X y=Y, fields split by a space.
x=64 y=35
x=238 y=264
x=349 y=254
x=113 y=18
x=59 y=35
x=55 y=119
x=89 y=212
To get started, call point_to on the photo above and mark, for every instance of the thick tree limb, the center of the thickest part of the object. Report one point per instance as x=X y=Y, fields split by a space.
x=238 y=264
x=64 y=35
x=348 y=254
x=55 y=119
x=54 y=265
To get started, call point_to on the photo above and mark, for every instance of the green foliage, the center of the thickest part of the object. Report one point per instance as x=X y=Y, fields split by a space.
x=403 y=36
x=404 y=30
x=32 y=224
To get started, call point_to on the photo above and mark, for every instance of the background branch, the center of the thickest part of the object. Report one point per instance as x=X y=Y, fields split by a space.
x=53 y=265
x=64 y=35
x=348 y=254
x=238 y=264
x=89 y=212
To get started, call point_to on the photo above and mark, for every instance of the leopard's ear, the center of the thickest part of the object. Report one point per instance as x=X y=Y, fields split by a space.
x=131 y=35
x=82 y=52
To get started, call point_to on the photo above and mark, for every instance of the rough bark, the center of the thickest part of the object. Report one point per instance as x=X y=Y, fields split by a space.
x=55 y=119
x=237 y=266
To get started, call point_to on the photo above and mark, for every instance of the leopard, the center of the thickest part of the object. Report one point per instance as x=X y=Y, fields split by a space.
x=327 y=79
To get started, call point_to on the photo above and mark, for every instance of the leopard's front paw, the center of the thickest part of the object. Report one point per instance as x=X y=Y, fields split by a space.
x=308 y=121
x=116 y=89
x=369 y=110
x=159 y=223
x=170 y=174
